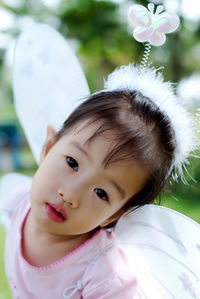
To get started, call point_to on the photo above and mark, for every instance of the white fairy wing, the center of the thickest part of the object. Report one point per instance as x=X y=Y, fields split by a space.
x=163 y=248
x=48 y=82
x=11 y=186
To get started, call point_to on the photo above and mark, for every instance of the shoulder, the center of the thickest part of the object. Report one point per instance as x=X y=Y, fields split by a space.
x=108 y=272
x=14 y=188
x=113 y=257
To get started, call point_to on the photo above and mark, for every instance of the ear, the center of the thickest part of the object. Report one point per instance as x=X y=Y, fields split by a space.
x=49 y=141
x=113 y=218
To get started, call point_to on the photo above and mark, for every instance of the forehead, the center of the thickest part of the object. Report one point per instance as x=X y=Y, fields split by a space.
x=107 y=142
x=89 y=132
x=92 y=135
x=89 y=129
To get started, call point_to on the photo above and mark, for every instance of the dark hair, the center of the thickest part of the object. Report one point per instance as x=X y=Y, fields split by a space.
x=144 y=134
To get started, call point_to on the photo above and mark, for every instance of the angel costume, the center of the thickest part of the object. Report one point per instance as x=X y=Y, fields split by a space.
x=153 y=252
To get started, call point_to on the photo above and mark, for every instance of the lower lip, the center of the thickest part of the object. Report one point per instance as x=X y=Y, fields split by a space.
x=53 y=215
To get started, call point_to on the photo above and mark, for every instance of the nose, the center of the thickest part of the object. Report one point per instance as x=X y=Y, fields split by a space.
x=68 y=198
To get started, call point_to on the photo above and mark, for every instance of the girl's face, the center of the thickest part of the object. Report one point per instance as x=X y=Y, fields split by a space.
x=72 y=176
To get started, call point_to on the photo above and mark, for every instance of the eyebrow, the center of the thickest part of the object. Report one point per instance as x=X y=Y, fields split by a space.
x=76 y=144
x=121 y=191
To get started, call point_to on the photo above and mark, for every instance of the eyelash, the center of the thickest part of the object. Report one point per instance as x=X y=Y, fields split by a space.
x=69 y=160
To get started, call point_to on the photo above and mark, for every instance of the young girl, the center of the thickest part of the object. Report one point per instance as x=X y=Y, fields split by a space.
x=112 y=155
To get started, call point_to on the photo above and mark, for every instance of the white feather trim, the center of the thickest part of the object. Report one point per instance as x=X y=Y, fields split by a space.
x=149 y=81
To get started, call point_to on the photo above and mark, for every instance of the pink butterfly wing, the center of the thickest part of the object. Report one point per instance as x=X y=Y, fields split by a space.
x=166 y=22
x=157 y=38
x=139 y=16
x=141 y=34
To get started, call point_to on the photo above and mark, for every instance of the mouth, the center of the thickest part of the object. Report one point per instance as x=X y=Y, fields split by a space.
x=54 y=213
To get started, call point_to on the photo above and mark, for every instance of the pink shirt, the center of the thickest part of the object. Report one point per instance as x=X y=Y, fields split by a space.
x=96 y=269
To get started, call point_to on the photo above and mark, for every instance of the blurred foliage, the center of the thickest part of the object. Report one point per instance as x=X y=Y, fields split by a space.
x=4 y=290
x=189 y=192
x=98 y=32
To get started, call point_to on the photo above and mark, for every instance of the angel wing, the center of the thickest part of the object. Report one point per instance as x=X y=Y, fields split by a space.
x=48 y=82
x=163 y=248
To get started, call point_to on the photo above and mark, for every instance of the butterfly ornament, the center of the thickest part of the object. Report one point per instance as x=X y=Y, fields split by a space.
x=151 y=27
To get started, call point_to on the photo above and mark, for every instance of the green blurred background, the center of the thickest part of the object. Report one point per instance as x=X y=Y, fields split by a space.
x=99 y=34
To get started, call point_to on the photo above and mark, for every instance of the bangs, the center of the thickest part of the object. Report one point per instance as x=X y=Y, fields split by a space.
x=128 y=143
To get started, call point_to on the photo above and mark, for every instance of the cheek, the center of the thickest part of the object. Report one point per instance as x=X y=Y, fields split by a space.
x=48 y=171
x=91 y=210
x=101 y=212
x=43 y=181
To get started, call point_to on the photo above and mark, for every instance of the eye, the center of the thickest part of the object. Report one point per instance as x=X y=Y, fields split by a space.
x=72 y=163
x=101 y=194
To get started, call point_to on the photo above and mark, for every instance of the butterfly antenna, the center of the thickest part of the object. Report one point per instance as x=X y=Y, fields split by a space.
x=145 y=56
